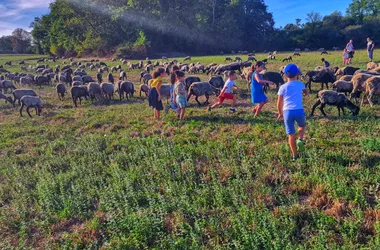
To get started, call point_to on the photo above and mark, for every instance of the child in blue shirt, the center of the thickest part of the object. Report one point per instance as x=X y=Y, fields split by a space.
x=290 y=108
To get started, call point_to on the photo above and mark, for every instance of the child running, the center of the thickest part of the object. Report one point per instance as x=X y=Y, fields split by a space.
x=172 y=104
x=154 y=92
x=257 y=84
x=226 y=92
x=290 y=108
x=180 y=94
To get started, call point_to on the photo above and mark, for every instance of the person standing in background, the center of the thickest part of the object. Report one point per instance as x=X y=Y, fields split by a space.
x=351 y=50
x=370 y=48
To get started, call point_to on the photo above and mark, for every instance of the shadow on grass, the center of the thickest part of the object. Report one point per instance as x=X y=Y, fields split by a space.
x=226 y=119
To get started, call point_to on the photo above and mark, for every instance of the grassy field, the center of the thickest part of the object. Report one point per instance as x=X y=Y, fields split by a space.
x=106 y=176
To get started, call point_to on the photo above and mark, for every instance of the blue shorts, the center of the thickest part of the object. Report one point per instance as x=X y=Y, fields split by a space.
x=370 y=54
x=291 y=116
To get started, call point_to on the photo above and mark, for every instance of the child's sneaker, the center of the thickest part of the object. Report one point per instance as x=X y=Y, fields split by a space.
x=167 y=109
x=300 y=146
x=208 y=108
x=295 y=157
x=233 y=110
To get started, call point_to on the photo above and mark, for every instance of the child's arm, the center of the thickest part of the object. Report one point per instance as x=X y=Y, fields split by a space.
x=305 y=91
x=223 y=90
x=261 y=81
x=280 y=102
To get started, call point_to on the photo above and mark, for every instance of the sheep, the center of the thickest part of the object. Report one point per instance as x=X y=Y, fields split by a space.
x=125 y=87
x=202 y=88
x=123 y=76
x=188 y=58
x=76 y=83
x=200 y=67
x=333 y=98
x=144 y=88
x=368 y=72
x=61 y=90
x=247 y=75
x=145 y=76
x=229 y=59
x=296 y=54
x=99 y=78
x=358 y=85
x=30 y=101
x=349 y=70
x=79 y=92
x=238 y=59
x=287 y=59
x=26 y=81
x=6 y=98
x=18 y=93
x=111 y=78
x=274 y=77
x=324 y=52
x=108 y=90
x=216 y=81
x=372 y=88
x=77 y=78
x=324 y=77
x=5 y=84
x=376 y=70
x=189 y=80
x=346 y=78
x=371 y=66
x=94 y=90
x=87 y=79
x=342 y=86
x=251 y=58
x=165 y=58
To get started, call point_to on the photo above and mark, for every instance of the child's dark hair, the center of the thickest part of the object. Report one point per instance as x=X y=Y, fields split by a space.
x=257 y=64
x=179 y=74
x=158 y=72
x=231 y=73
x=323 y=59
x=172 y=74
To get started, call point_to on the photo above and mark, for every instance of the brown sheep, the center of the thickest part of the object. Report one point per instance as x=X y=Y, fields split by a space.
x=333 y=98
x=371 y=66
x=358 y=84
x=372 y=88
x=346 y=78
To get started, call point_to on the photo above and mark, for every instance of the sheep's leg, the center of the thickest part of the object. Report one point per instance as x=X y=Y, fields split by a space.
x=314 y=107
x=207 y=97
x=362 y=101
x=188 y=97
x=27 y=111
x=338 y=110
x=36 y=110
x=196 y=98
x=321 y=108
x=343 y=111
x=22 y=106
x=370 y=98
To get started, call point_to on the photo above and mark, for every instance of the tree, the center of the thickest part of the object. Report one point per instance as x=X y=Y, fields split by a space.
x=21 y=41
x=359 y=9
x=6 y=45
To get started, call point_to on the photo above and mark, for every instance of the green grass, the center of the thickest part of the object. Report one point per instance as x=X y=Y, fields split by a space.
x=106 y=175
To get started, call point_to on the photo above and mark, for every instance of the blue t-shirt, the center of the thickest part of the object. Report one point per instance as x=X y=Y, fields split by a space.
x=327 y=64
x=292 y=93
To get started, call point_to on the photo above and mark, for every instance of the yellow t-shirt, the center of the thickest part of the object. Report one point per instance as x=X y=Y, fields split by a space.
x=156 y=83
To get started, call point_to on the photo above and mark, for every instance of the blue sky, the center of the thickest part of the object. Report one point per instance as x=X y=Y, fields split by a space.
x=20 y=13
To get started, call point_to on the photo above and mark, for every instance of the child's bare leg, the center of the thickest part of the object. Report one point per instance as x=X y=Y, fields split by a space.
x=158 y=115
x=182 y=113
x=301 y=132
x=292 y=144
x=259 y=108
x=216 y=104
x=234 y=102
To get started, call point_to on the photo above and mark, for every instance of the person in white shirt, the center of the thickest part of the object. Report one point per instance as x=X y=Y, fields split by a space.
x=290 y=109
x=226 y=92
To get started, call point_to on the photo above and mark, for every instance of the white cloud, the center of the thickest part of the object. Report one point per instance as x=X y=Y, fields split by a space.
x=6 y=28
x=31 y=4
x=20 y=13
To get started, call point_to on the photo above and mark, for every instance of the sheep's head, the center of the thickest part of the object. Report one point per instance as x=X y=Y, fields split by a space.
x=8 y=99
x=353 y=108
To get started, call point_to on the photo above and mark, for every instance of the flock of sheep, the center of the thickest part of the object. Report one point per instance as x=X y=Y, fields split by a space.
x=73 y=75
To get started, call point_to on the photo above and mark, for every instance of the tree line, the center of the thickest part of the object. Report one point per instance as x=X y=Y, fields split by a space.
x=137 y=28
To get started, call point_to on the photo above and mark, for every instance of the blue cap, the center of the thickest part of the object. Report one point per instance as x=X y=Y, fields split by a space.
x=291 y=70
